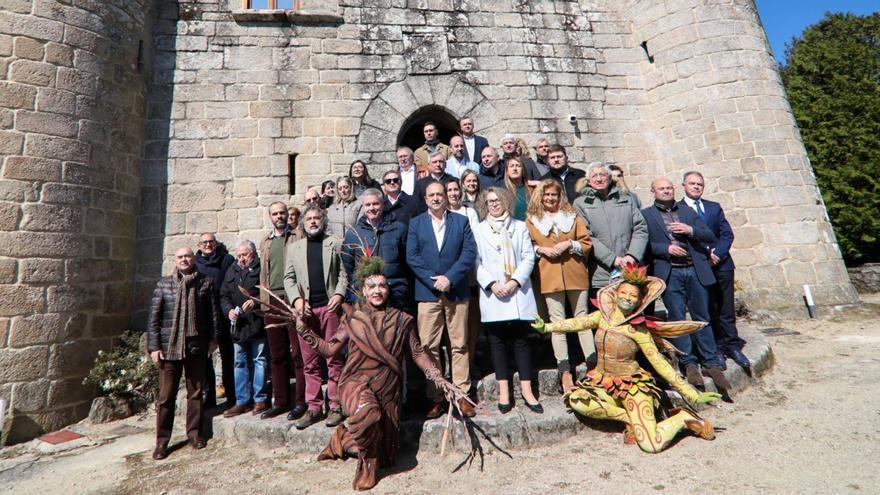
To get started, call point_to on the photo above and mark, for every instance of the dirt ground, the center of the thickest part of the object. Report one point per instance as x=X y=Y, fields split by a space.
x=811 y=425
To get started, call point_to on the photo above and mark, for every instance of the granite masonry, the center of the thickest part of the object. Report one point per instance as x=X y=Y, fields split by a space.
x=128 y=127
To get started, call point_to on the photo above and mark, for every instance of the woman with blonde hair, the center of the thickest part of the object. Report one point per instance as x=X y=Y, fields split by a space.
x=505 y=259
x=345 y=211
x=517 y=184
x=562 y=244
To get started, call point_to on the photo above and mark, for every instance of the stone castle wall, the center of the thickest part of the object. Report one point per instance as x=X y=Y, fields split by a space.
x=238 y=103
x=71 y=133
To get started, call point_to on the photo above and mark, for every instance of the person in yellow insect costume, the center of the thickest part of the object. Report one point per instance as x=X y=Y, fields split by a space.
x=618 y=388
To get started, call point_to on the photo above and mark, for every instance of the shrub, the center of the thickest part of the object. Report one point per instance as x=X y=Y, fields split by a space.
x=125 y=371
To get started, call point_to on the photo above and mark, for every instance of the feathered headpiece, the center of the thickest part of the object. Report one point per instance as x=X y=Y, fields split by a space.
x=369 y=266
x=634 y=274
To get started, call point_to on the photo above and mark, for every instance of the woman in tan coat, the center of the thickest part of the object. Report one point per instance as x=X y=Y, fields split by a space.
x=562 y=244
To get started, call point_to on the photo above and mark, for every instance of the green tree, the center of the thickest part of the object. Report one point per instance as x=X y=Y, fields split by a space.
x=832 y=74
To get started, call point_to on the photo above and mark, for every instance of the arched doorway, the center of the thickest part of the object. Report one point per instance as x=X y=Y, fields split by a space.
x=411 y=135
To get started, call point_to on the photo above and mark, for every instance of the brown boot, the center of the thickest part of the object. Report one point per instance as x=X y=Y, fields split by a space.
x=160 y=452
x=717 y=376
x=701 y=427
x=629 y=436
x=692 y=373
x=567 y=381
x=237 y=410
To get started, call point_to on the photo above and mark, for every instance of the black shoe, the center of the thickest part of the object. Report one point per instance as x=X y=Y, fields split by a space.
x=505 y=408
x=297 y=412
x=274 y=411
x=740 y=359
x=160 y=452
x=536 y=408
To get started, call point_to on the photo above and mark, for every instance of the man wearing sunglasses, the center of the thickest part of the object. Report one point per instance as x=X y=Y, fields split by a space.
x=396 y=201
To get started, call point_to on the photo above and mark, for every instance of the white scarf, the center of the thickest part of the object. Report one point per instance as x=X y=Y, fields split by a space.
x=498 y=225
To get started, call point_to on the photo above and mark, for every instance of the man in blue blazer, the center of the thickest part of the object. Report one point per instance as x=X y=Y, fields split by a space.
x=721 y=301
x=473 y=144
x=441 y=252
x=680 y=245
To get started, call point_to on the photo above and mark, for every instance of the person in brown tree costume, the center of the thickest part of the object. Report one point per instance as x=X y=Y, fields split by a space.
x=370 y=384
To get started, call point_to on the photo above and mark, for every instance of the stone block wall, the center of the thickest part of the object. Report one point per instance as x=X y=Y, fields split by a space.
x=71 y=132
x=717 y=105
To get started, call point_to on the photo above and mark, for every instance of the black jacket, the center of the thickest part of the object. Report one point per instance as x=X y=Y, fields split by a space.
x=249 y=326
x=403 y=209
x=570 y=181
x=162 y=305
x=215 y=266
x=422 y=185
x=389 y=242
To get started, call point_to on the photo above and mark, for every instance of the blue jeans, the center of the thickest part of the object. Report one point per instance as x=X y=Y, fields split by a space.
x=684 y=290
x=251 y=364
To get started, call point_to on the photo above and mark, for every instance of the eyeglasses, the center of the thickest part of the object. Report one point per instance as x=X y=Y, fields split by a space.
x=208 y=242
x=313 y=199
x=493 y=201
x=392 y=181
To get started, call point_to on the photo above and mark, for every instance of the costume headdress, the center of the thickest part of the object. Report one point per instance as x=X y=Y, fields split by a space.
x=635 y=274
x=369 y=266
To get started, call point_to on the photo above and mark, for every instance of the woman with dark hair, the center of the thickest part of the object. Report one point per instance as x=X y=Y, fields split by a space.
x=360 y=178
x=507 y=303
x=515 y=181
x=328 y=193
x=470 y=188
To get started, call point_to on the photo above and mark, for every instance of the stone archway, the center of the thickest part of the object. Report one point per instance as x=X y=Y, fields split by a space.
x=402 y=104
x=411 y=134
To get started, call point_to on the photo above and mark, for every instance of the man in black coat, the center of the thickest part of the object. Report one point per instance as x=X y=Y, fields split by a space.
x=247 y=332
x=562 y=173
x=213 y=260
x=436 y=173
x=396 y=201
x=183 y=324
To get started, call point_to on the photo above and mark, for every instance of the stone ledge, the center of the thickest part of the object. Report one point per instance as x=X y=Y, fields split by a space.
x=520 y=428
x=285 y=15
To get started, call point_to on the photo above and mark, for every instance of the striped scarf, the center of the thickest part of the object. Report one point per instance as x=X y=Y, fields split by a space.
x=184 y=325
x=499 y=228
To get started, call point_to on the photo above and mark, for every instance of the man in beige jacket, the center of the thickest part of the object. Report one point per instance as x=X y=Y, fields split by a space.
x=315 y=282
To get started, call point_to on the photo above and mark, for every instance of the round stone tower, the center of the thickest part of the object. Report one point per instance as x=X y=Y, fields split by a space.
x=71 y=133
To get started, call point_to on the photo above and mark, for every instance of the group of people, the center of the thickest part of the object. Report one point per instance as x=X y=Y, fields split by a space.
x=471 y=237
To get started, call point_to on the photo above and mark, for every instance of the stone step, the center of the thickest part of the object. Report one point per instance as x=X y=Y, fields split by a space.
x=493 y=431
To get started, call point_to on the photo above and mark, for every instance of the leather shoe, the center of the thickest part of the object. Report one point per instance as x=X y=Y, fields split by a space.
x=467 y=410
x=237 y=410
x=739 y=358
x=297 y=412
x=717 y=376
x=275 y=411
x=505 y=408
x=308 y=419
x=437 y=410
x=197 y=443
x=160 y=452
x=261 y=407
x=692 y=373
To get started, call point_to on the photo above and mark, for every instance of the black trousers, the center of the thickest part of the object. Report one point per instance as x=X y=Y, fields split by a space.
x=506 y=335
x=722 y=312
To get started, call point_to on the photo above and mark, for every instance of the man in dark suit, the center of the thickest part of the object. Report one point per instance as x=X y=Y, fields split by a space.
x=436 y=173
x=561 y=172
x=680 y=247
x=441 y=252
x=473 y=144
x=721 y=301
x=401 y=204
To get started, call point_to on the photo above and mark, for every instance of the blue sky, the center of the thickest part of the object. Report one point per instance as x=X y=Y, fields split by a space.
x=784 y=19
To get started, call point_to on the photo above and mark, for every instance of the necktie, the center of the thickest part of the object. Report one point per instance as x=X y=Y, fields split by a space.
x=700 y=210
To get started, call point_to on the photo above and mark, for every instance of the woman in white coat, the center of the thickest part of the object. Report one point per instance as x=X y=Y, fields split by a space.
x=507 y=303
